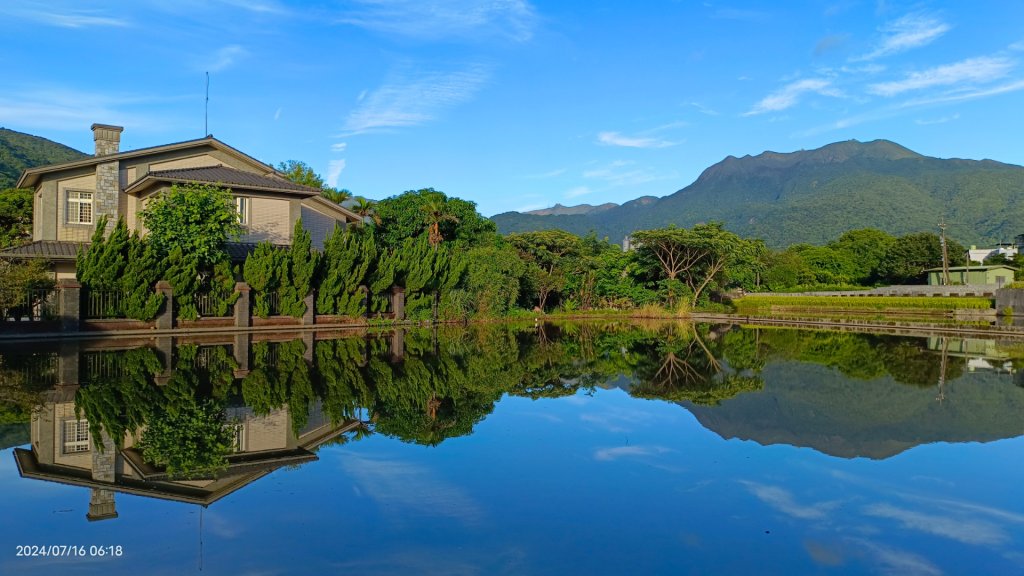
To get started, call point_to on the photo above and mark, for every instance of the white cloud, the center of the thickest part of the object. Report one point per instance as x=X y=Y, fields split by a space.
x=623 y=173
x=277 y=114
x=616 y=139
x=577 y=192
x=548 y=174
x=339 y=146
x=789 y=95
x=414 y=98
x=941 y=120
x=959 y=527
x=226 y=57
x=259 y=6
x=906 y=33
x=62 y=16
x=968 y=95
x=436 y=19
x=334 y=169
x=61 y=107
x=973 y=70
x=783 y=501
x=704 y=109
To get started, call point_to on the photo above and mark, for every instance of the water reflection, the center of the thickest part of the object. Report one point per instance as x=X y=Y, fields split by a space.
x=193 y=420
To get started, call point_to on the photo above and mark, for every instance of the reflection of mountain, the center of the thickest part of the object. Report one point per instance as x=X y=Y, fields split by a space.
x=817 y=407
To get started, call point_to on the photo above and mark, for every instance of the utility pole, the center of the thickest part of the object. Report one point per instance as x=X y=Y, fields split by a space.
x=945 y=252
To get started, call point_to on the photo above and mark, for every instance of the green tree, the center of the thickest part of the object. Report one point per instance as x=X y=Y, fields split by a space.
x=550 y=256
x=494 y=275
x=697 y=257
x=366 y=209
x=265 y=271
x=17 y=278
x=15 y=216
x=349 y=254
x=302 y=266
x=865 y=249
x=198 y=219
x=405 y=216
x=909 y=256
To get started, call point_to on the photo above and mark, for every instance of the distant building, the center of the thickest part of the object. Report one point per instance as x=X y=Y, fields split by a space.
x=973 y=275
x=1008 y=249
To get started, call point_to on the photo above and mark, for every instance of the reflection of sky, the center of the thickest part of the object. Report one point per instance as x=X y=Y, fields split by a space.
x=582 y=485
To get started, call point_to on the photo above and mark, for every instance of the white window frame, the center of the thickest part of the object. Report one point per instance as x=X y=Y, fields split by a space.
x=75 y=203
x=243 y=206
x=76 y=437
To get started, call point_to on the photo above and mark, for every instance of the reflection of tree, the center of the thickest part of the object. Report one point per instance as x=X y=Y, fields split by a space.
x=119 y=395
x=23 y=379
x=679 y=365
x=193 y=441
x=280 y=375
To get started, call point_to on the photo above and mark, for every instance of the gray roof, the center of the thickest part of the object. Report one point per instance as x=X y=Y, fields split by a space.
x=48 y=249
x=230 y=177
x=61 y=250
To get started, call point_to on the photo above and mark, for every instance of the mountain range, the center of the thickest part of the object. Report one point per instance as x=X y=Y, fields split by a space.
x=19 y=151
x=816 y=195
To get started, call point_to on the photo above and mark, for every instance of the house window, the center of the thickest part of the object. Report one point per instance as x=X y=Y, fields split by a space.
x=76 y=436
x=79 y=207
x=242 y=207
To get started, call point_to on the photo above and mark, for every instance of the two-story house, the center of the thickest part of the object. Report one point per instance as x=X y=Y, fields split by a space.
x=71 y=197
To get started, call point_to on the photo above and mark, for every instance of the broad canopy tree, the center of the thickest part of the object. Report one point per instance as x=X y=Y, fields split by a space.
x=697 y=257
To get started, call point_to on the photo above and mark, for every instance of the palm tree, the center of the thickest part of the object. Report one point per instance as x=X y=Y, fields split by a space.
x=364 y=208
x=335 y=195
x=436 y=211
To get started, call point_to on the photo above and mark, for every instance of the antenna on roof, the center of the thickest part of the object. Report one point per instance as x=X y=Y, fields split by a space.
x=206 y=109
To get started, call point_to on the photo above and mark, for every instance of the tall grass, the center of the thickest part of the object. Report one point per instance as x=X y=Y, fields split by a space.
x=761 y=304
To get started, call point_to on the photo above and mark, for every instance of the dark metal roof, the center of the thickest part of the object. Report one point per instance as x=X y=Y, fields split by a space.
x=231 y=177
x=48 y=249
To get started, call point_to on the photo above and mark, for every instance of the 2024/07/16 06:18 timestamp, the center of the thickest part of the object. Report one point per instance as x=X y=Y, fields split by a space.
x=62 y=550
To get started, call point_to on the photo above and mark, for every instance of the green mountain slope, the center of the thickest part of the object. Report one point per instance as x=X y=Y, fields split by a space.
x=816 y=195
x=20 y=151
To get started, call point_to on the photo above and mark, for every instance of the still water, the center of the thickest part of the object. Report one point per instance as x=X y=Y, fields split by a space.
x=556 y=449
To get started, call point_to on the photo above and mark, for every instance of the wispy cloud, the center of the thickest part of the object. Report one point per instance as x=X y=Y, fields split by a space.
x=973 y=71
x=624 y=173
x=548 y=174
x=704 y=109
x=609 y=454
x=225 y=58
x=727 y=13
x=966 y=95
x=959 y=527
x=334 y=169
x=339 y=146
x=61 y=107
x=617 y=139
x=906 y=33
x=411 y=98
x=62 y=16
x=942 y=120
x=577 y=192
x=258 y=6
x=790 y=94
x=436 y=19
x=783 y=501
x=829 y=43
x=277 y=114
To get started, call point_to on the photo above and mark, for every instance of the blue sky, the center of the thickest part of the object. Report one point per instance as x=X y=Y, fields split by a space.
x=515 y=104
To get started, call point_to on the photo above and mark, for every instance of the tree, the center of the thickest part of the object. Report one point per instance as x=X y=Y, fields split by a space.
x=549 y=256
x=865 y=249
x=435 y=212
x=15 y=216
x=198 y=219
x=301 y=173
x=698 y=256
x=909 y=256
x=302 y=265
x=17 y=279
x=403 y=216
x=366 y=209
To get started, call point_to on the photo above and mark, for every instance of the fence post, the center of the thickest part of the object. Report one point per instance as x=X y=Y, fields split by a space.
x=398 y=302
x=243 y=312
x=165 y=320
x=309 y=316
x=70 y=300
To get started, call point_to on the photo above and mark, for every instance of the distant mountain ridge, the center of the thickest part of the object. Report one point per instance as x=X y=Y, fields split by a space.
x=19 y=151
x=560 y=210
x=816 y=195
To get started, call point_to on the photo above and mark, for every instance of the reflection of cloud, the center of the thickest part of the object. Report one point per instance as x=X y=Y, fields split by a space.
x=616 y=419
x=966 y=530
x=608 y=454
x=220 y=526
x=409 y=488
x=823 y=554
x=783 y=501
x=900 y=562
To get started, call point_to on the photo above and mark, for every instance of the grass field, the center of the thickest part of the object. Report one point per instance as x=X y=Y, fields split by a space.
x=757 y=304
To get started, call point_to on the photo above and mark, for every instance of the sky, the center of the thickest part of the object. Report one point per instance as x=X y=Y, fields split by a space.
x=518 y=105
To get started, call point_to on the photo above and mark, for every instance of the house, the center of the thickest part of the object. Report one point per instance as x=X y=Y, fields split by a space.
x=71 y=197
x=1007 y=249
x=973 y=275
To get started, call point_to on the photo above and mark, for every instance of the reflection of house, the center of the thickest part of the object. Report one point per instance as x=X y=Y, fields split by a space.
x=972 y=275
x=71 y=197
x=63 y=451
x=980 y=354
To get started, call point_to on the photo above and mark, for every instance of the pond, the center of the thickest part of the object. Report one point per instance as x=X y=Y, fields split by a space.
x=588 y=448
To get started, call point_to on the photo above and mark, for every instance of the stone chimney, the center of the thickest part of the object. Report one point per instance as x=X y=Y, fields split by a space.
x=107 y=138
x=101 y=502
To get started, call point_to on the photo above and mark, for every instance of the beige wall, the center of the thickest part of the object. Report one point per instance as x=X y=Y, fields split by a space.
x=74 y=232
x=319 y=225
x=63 y=412
x=268 y=220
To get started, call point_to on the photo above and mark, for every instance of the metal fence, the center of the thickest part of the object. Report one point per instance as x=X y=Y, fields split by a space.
x=38 y=304
x=102 y=304
x=211 y=305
